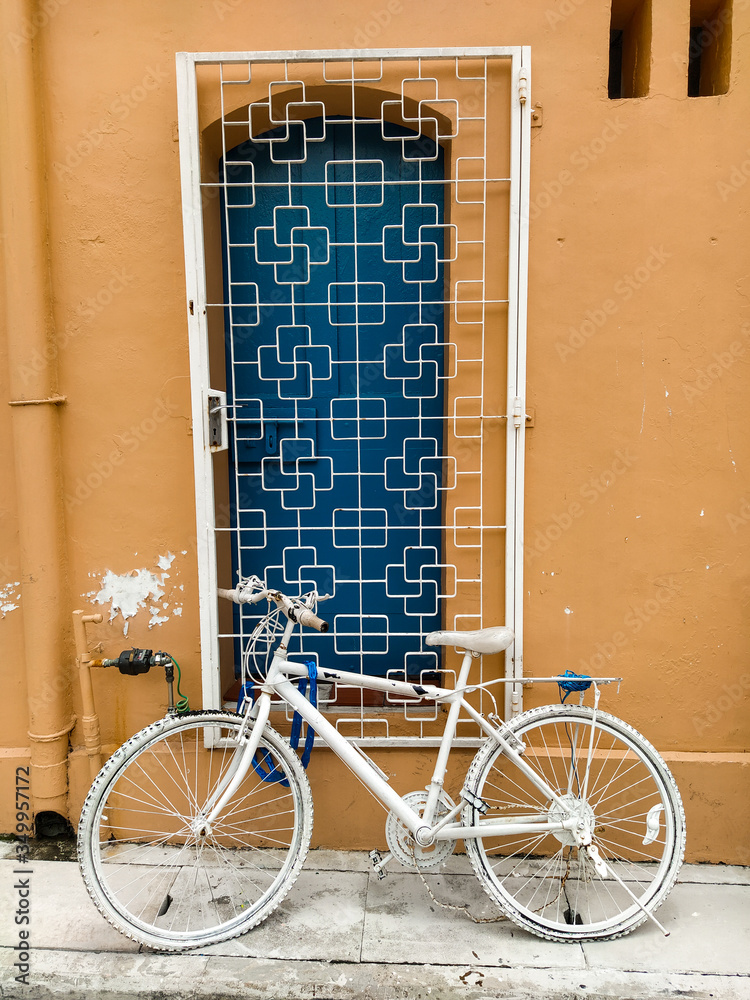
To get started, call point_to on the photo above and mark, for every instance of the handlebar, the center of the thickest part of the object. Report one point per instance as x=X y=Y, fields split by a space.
x=307 y=617
x=239 y=596
x=295 y=610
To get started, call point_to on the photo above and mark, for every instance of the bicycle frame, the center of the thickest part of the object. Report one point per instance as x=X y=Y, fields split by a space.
x=199 y=811
x=425 y=830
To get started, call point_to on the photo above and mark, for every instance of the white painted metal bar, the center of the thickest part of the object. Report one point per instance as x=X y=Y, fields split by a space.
x=318 y=55
x=522 y=339
x=516 y=424
x=195 y=277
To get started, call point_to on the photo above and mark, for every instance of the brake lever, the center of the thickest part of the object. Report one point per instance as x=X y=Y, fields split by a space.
x=312 y=598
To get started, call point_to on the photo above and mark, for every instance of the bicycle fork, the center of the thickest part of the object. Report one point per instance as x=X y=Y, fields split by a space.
x=258 y=715
x=203 y=822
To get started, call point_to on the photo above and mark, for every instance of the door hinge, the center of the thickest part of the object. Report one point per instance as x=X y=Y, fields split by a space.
x=518 y=414
x=521 y=414
x=523 y=85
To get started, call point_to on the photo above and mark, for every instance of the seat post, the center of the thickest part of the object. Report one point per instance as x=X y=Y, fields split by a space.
x=438 y=775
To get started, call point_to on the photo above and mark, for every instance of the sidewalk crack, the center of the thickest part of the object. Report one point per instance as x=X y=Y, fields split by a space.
x=364 y=916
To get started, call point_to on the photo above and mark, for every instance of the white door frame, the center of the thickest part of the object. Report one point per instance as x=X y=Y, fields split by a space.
x=195 y=278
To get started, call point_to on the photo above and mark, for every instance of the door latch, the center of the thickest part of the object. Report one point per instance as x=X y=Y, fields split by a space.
x=218 y=438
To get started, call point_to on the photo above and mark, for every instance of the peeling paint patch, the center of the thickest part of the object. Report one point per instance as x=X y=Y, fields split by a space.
x=129 y=593
x=9 y=596
x=156 y=618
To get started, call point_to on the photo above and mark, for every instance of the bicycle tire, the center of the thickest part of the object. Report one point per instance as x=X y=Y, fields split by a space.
x=542 y=881
x=163 y=884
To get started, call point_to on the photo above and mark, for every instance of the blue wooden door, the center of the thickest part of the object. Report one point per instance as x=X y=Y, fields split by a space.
x=334 y=245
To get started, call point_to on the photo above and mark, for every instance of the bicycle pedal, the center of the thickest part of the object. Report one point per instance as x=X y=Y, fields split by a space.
x=379 y=861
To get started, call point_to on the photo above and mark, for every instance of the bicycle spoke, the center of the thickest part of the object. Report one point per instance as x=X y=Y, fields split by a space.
x=547 y=881
x=169 y=881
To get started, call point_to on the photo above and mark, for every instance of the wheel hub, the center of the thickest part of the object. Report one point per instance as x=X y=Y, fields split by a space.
x=577 y=809
x=200 y=828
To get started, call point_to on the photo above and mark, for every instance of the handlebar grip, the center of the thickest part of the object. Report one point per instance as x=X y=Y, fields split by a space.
x=228 y=595
x=306 y=617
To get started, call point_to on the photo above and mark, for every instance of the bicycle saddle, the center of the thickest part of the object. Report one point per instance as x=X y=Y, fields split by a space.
x=484 y=640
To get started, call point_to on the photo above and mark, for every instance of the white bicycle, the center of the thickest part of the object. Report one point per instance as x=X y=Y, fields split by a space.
x=196 y=828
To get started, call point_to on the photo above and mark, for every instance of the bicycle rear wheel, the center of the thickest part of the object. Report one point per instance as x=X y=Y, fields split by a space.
x=157 y=878
x=543 y=881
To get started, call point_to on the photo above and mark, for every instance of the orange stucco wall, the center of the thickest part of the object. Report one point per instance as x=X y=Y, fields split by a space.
x=638 y=496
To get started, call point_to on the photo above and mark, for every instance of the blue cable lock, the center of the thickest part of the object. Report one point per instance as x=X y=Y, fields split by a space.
x=261 y=761
x=573 y=685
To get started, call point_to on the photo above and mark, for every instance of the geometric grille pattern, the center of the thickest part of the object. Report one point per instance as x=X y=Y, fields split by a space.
x=365 y=216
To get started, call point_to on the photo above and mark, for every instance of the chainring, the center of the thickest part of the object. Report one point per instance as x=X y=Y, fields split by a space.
x=401 y=843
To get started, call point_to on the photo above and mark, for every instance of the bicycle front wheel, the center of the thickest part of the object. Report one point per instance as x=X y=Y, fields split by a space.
x=607 y=774
x=154 y=872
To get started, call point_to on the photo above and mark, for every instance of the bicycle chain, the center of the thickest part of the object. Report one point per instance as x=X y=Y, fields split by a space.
x=454 y=906
x=464 y=908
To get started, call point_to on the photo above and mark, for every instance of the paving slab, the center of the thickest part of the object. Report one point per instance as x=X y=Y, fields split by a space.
x=343 y=934
x=403 y=924
x=321 y=919
x=323 y=860
x=715 y=874
x=7 y=849
x=709 y=929
x=360 y=861
x=127 y=977
x=62 y=913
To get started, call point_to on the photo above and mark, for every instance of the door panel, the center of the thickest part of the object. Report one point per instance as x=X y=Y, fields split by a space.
x=335 y=353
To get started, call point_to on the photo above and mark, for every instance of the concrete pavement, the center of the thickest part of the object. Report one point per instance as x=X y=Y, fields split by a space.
x=343 y=934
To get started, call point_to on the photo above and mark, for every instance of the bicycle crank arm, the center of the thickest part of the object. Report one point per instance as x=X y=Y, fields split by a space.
x=603 y=869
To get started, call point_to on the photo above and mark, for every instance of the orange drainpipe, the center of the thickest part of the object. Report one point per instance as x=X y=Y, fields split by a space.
x=35 y=404
x=89 y=719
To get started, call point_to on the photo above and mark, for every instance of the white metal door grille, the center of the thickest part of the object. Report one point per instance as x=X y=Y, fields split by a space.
x=364 y=313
